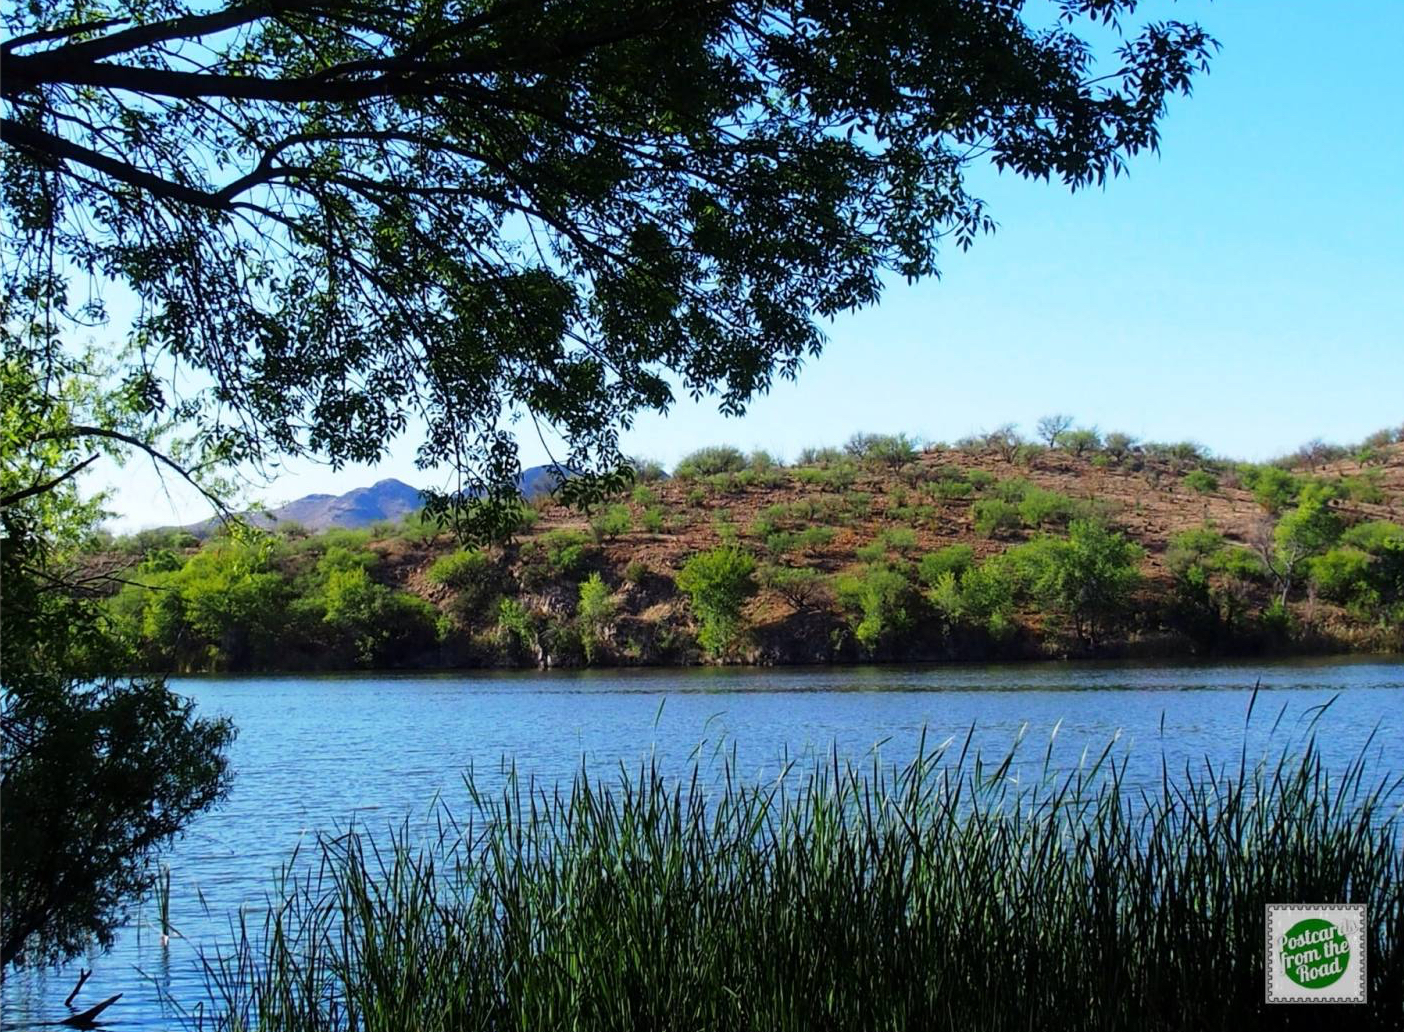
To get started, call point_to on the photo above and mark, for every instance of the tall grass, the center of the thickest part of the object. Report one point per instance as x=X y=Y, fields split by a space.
x=937 y=895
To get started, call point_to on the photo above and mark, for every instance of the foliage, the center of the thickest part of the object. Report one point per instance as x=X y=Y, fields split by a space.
x=1201 y=481
x=718 y=583
x=953 y=559
x=98 y=772
x=595 y=611
x=1274 y=489
x=1040 y=508
x=994 y=516
x=612 y=522
x=1050 y=428
x=981 y=596
x=1080 y=441
x=803 y=588
x=706 y=462
x=1087 y=577
x=555 y=555
x=1301 y=534
x=1211 y=581
x=891 y=450
x=882 y=602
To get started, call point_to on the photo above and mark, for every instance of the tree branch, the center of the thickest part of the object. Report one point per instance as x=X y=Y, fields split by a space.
x=37 y=489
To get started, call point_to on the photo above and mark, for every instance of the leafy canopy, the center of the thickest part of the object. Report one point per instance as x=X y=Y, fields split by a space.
x=351 y=215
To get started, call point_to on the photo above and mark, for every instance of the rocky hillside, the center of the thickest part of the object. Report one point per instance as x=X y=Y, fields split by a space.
x=879 y=551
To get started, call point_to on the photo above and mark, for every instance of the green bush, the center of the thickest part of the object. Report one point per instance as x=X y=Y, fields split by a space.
x=652 y=520
x=1202 y=481
x=613 y=521
x=595 y=611
x=706 y=462
x=1274 y=489
x=881 y=602
x=1011 y=490
x=994 y=516
x=954 y=559
x=1087 y=578
x=802 y=588
x=718 y=583
x=976 y=596
x=643 y=495
x=1040 y=508
x=636 y=572
x=952 y=489
x=556 y=555
x=1080 y=441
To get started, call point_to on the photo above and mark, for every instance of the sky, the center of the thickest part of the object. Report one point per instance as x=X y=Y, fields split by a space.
x=1243 y=288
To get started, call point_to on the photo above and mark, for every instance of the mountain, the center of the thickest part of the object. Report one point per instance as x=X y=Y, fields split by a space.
x=388 y=499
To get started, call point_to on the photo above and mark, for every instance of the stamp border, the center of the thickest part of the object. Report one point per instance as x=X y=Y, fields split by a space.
x=1269 y=969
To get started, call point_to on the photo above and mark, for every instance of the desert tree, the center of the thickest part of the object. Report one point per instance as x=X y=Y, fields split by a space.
x=1050 y=428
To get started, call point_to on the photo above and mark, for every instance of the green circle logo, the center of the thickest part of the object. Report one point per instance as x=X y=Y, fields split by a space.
x=1315 y=953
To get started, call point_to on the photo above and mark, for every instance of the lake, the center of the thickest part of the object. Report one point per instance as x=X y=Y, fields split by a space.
x=316 y=753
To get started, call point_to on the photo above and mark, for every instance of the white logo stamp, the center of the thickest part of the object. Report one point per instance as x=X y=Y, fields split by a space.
x=1316 y=953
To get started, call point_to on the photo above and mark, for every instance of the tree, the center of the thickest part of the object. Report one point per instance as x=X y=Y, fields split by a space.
x=1006 y=440
x=1087 y=577
x=595 y=611
x=718 y=583
x=1301 y=534
x=346 y=214
x=97 y=772
x=1050 y=428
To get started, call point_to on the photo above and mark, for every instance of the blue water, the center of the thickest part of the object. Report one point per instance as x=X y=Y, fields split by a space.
x=315 y=753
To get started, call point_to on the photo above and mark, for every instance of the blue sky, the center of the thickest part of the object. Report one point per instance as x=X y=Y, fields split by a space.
x=1244 y=288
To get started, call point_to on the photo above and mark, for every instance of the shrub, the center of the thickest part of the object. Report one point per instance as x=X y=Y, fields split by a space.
x=1274 y=489
x=761 y=461
x=994 y=516
x=802 y=588
x=872 y=552
x=652 y=520
x=1004 y=440
x=718 y=583
x=1365 y=488
x=1118 y=445
x=707 y=462
x=1050 y=428
x=954 y=559
x=881 y=601
x=595 y=611
x=610 y=523
x=952 y=489
x=820 y=457
x=636 y=572
x=1087 y=577
x=899 y=539
x=1202 y=481
x=647 y=471
x=980 y=479
x=457 y=569
x=563 y=554
x=697 y=497
x=1012 y=490
x=1080 y=441
x=978 y=596
x=515 y=627
x=643 y=495
x=1040 y=508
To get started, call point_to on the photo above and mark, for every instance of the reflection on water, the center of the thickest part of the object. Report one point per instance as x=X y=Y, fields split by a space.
x=316 y=753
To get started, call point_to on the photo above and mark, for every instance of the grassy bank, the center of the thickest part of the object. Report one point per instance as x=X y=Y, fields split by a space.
x=937 y=895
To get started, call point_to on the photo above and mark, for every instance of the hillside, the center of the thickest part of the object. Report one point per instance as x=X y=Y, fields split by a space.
x=915 y=554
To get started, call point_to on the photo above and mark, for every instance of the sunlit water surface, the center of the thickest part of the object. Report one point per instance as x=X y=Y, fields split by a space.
x=316 y=753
